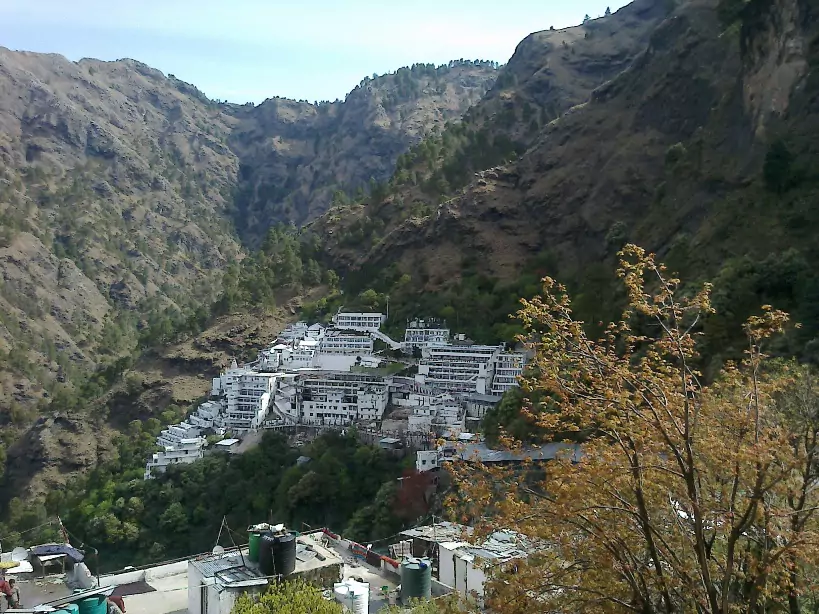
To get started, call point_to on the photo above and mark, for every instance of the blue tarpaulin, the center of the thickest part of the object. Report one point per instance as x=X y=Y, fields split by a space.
x=50 y=549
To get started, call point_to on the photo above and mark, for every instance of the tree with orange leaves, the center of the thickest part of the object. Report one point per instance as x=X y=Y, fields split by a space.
x=688 y=497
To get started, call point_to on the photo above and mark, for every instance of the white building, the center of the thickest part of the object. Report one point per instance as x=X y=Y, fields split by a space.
x=366 y=322
x=341 y=398
x=508 y=367
x=302 y=356
x=340 y=342
x=175 y=433
x=423 y=333
x=215 y=581
x=294 y=332
x=444 y=417
x=207 y=415
x=185 y=452
x=427 y=460
x=315 y=331
x=464 y=566
x=247 y=397
x=459 y=368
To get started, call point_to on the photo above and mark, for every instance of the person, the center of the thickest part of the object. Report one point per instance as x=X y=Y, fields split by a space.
x=11 y=593
x=115 y=605
x=16 y=594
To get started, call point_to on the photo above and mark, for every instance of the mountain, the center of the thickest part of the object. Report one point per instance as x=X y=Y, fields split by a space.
x=122 y=191
x=294 y=156
x=702 y=148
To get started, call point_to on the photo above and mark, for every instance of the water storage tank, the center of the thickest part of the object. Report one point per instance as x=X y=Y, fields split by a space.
x=253 y=538
x=416 y=579
x=284 y=554
x=353 y=595
x=73 y=608
x=93 y=605
x=266 y=565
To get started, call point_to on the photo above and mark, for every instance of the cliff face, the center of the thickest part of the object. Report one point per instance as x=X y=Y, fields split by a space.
x=702 y=149
x=294 y=155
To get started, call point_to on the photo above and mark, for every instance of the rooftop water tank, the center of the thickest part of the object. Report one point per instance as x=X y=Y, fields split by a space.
x=284 y=554
x=266 y=565
x=355 y=596
x=416 y=579
x=253 y=539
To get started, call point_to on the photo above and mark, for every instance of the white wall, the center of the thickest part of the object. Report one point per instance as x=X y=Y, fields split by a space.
x=194 y=590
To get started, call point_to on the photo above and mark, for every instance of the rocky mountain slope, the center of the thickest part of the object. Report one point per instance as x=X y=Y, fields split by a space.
x=294 y=156
x=703 y=149
x=551 y=73
x=119 y=189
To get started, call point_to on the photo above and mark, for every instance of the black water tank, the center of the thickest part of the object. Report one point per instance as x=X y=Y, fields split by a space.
x=266 y=565
x=284 y=554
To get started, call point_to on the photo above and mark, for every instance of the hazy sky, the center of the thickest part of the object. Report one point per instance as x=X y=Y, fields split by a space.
x=249 y=50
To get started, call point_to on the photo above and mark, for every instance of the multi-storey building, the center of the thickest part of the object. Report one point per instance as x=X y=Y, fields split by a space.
x=295 y=331
x=186 y=451
x=459 y=368
x=425 y=333
x=247 y=397
x=340 y=342
x=341 y=398
x=365 y=322
x=207 y=415
x=508 y=367
x=172 y=435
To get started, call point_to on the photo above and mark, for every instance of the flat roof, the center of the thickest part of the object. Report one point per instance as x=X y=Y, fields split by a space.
x=390 y=440
x=236 y=568
x=227 y=442
x=485 y=454
x=439 y=532
x=499 y=547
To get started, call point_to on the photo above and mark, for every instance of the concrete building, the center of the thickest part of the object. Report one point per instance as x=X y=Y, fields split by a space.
x=341 y=342
x=460 y=560
x=175 y=433
x=427 y=460
x=207 y=415
x=316 y=331
x=294 y=332
x=216 y=581
x=185 y=452
x=341 y=398
x=459 y=368
x=464 y=566
x=247 y=396
x=423 y=333
x=508 y=367
x=365 y=322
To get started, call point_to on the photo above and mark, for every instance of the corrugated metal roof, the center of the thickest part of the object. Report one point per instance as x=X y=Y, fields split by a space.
x=209 y=566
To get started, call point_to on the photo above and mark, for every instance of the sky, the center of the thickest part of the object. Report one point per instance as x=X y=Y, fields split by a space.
x=250 y=50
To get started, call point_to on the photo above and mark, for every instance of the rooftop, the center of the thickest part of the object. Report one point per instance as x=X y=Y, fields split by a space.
x=234 y=567
x=439 y=532
x=227 y=442
x=485 y=454
x=499 y=547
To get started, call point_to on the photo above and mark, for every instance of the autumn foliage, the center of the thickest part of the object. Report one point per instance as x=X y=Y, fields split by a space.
x=689 y=497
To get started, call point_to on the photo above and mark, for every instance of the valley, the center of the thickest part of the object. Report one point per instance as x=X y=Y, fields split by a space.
x=178 y=271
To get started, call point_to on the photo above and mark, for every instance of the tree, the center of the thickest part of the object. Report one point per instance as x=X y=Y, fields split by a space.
x=777 y=167
x=689 y=496
x=608 y=11
x=290 y=597
x=586 y=18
